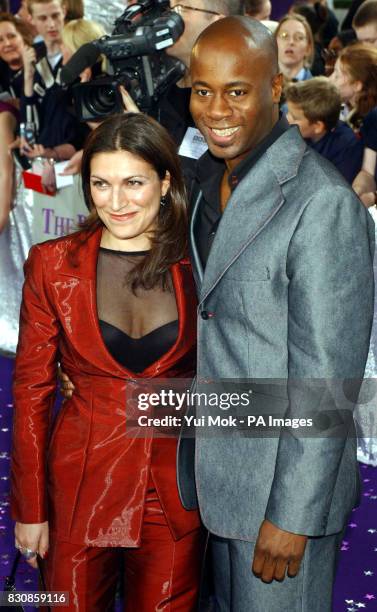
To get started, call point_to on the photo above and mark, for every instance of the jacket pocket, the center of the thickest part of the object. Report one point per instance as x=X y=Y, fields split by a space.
x=238 y=272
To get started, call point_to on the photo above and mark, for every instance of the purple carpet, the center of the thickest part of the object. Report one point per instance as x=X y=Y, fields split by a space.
x=356 y=583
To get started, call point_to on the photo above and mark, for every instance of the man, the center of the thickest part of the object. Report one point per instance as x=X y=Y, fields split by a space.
x=39 y=96
x=198 y=15
x=47 y=17
x=365 y=22
x=282 y=259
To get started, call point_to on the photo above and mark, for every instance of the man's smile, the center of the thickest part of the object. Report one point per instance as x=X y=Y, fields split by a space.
x=228 y=131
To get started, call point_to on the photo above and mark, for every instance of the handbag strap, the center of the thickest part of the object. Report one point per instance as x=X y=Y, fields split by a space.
x=42 y=580
x=11 y=579
x=41 y=576
x=12 y=575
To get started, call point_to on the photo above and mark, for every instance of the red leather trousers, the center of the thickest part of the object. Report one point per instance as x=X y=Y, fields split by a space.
x=160 y=575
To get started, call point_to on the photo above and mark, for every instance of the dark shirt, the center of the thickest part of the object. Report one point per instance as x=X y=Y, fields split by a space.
x=342 y=148
x=368 y=130
x=210 y=171
x=173 y=112
x=11 y=80
x=347 y=22
x=138 y=328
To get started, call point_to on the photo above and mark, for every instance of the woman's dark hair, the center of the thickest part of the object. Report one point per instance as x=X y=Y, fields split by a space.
x=143 y=137
x=21 y=26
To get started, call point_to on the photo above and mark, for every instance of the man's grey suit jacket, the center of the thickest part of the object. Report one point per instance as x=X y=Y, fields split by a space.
x=289 y=280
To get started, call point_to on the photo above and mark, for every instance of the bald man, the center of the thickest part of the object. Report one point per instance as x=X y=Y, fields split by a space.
x=281 y=252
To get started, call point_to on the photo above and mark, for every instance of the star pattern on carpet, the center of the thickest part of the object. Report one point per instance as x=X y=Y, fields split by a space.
x=355 y=587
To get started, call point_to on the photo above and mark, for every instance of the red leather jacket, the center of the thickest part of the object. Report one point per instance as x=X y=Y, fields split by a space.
x=89 y=478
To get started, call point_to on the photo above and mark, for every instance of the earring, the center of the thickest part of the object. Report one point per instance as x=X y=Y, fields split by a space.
x=163 y=201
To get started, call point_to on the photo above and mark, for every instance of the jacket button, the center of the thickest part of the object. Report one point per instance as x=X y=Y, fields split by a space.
x=207 y=315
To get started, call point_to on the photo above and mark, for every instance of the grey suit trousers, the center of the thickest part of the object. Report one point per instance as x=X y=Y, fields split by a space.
x=238 y=590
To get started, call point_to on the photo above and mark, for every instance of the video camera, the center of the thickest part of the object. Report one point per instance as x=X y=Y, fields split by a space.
x=135 y=53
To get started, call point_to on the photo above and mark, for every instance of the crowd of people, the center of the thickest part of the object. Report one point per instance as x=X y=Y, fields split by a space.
x=37 y=41
x=115 y=303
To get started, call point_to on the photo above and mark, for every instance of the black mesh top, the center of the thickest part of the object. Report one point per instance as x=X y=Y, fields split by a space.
x=137 y=329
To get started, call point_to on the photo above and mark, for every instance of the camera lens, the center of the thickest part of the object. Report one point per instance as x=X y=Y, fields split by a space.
x=101 y=100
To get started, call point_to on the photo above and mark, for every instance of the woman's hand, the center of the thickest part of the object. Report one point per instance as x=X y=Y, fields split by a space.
x=32 y=536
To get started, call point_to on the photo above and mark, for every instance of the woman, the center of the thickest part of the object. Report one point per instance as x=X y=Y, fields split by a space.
x=355 y=76
x=115 y=303
x=316 y=16
x=13 y=37
x=295 y=47
x=77 y=33
x=295 y=51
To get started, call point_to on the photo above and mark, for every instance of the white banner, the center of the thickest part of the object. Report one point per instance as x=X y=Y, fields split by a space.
x=58 y=215
x=34 y=218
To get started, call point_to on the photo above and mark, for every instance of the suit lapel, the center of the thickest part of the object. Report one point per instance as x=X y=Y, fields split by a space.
x=75 y=292
x=252 y=205
x=196 y=197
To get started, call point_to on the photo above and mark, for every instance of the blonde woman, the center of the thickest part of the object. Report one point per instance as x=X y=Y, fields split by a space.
x=295 y=46
x=76 y=33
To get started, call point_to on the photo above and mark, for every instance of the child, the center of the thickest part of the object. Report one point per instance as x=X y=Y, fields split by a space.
x=314 y=106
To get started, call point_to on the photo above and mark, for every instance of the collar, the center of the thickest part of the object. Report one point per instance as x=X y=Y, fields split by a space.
x=303 y=75
x=210 y=169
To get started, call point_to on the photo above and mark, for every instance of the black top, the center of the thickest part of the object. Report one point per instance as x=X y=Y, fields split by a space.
x=136 y=329
x=368 y=130
x=11 y=80
x=173 y=112
x=210 y=171
x=342 y=148
x=50 y=108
